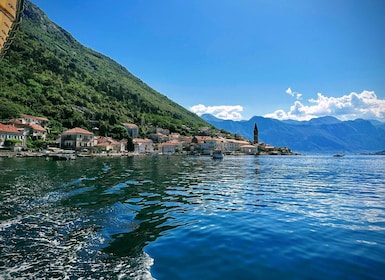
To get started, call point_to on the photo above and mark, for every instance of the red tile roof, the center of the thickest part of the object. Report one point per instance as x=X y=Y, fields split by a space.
x=105 y=141
x=140 y=140
x=77 y=130
x=36 y=127
x=130 y=125
x=34 y=117
x=8 y=128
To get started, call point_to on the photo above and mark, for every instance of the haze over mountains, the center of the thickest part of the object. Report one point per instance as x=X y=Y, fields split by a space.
x=320 y=135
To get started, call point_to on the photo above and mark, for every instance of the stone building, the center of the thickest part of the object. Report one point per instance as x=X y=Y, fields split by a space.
x=76 y=139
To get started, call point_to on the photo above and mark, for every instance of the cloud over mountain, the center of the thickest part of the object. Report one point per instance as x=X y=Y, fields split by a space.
x=224 y=112
x=364 y=105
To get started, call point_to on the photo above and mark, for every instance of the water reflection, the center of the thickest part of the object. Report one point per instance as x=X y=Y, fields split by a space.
x=177 y=187
x=105 y=215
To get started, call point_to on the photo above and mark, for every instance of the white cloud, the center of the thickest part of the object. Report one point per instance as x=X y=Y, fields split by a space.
x=364 y=105
x=222 y=112
x=297 y=95
x=289 y=92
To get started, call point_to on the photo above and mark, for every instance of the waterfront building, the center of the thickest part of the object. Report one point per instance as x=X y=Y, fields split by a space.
x=109 y=144
x=37 y=132
x=207 y=144
x=11 y=137
x=171 y=147
x=249 y=149
x=32 y=126
x=232 y=145
x=76 y=139
x=143 y=146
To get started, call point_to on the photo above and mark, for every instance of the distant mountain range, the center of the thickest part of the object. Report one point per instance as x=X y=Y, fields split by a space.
x=320 y=135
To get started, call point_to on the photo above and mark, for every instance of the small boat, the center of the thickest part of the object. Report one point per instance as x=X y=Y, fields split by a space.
x=62 y=156
x=338 y=155
x=217 y=154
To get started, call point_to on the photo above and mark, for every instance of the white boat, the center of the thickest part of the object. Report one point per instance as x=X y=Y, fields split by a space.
x=217 y=154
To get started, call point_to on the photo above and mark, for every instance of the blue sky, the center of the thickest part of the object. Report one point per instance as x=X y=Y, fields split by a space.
x=293 y=59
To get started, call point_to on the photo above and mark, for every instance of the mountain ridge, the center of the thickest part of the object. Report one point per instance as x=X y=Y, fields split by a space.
x=325 y=134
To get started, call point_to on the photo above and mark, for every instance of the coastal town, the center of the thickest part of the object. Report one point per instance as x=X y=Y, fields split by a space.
x=79 y=142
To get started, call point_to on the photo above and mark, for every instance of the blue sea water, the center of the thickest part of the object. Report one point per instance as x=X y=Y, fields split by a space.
x=181 y=217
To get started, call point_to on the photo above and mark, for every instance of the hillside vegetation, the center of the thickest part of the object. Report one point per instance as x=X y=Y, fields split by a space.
x=46 y=72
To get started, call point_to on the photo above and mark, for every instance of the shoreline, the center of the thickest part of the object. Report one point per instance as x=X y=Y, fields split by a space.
x=51 y=155
x=72 y=155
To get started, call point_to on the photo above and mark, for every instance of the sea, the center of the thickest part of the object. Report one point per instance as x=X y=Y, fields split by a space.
x=192 y=217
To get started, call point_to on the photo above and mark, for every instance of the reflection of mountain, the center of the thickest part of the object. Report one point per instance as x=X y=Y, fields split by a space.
x=326 y=134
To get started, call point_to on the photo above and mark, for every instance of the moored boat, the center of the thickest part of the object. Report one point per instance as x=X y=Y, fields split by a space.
x=217 y=154
x=62 y=156
x=338 y=155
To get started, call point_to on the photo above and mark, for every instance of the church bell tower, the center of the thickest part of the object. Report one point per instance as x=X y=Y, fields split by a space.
x=255 y=133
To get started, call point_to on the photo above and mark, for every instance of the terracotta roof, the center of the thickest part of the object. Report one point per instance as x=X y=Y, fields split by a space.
x=174 y=142
x=131 y=125
x=171 y=143
x=8 y=128
x=34 y=117
x=240 y=142
x=105 y=141
x=36 y=127
x=77 y=130
x=249 y=146
x=187 y=138
x=140 y=140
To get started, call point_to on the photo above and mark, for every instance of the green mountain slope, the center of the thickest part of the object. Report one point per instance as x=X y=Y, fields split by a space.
x=47 y=72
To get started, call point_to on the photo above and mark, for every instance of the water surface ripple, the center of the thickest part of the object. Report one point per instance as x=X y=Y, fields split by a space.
x=301 y=217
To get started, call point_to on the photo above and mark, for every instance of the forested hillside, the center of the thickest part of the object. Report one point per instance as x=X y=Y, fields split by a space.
x=46 y=72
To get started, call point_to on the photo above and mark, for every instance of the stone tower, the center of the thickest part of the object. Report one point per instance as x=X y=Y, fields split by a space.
x=255 y=133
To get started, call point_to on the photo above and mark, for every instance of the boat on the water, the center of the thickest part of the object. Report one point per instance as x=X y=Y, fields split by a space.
x=62 y=156
x=217 y=154
x=338 y=155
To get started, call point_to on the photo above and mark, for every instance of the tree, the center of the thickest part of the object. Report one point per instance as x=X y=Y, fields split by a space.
x=8 y=110
x=130 y=145
x=119 y=132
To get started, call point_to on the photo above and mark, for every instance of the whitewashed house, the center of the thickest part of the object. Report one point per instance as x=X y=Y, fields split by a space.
x=142 y=146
